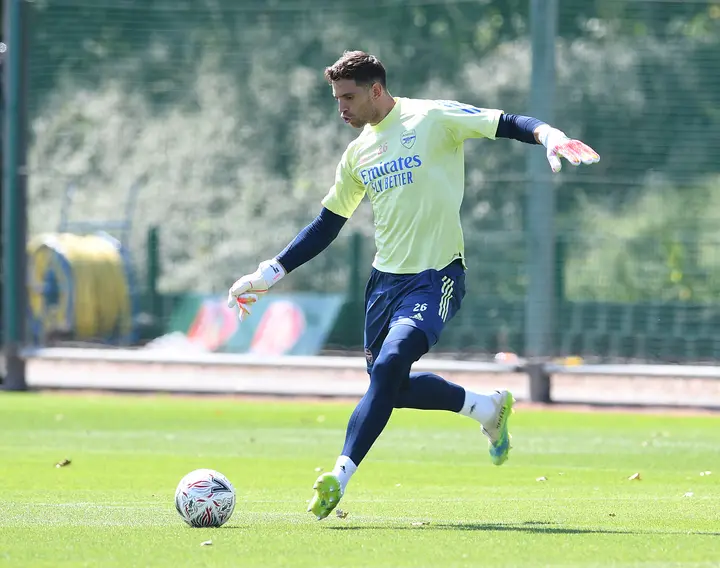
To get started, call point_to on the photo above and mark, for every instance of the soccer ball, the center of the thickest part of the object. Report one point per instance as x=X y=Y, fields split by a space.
x=205 y=498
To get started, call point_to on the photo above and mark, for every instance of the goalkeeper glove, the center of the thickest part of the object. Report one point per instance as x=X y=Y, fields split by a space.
x=560 y=146
x=246 y=291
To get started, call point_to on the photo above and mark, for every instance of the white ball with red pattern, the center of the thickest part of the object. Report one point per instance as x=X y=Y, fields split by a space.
x=205 y=498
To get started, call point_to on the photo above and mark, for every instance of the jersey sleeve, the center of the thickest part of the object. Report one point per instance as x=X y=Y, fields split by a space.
x=465 y=121
x=347 y=192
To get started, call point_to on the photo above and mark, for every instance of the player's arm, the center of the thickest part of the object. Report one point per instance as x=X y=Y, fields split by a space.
x=312 y=240
x=533 y=131
x=466 y=121
x=339 y=204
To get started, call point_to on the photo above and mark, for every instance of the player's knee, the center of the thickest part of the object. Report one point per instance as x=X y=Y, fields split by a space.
x=388 y=365
x=389 y=371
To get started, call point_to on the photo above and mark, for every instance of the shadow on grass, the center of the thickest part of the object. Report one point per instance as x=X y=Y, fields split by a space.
x=533 y=527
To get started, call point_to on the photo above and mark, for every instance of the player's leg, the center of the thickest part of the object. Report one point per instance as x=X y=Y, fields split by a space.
x=381 y=293
x=393 y=386
x=437 y=297
x=425 y=391
x=390 y=355
x=389 y=370
x=428 y=391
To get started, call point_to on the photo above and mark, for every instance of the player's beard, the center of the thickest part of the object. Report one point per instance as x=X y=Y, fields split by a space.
x=372 y=116
x=357 y=123
x=368 y=115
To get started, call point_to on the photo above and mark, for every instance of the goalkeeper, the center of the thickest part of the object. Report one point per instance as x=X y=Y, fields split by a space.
x=408 y=159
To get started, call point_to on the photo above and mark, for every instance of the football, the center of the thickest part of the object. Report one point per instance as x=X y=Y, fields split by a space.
x=205 y=498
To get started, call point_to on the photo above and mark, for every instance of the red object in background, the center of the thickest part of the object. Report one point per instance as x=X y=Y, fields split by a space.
x=280 y=328
x=213 y=325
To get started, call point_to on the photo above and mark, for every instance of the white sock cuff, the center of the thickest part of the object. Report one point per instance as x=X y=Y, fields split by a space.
x=478 y=406
x=344 y=470
x=346 y=465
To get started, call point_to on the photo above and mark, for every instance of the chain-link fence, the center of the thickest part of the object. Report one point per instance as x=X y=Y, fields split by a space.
x=218 y=113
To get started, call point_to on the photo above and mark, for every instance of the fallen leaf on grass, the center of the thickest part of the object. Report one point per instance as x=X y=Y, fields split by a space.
x=634 y=477
x=340 y=514
x=63 y=463
x=206 y=543
x=543 y=478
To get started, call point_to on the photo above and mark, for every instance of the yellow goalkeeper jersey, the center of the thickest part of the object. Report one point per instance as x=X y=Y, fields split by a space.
x=411 y=166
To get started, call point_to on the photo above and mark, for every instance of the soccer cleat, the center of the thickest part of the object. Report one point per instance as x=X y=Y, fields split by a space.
x=327 y=495
x=498 y=434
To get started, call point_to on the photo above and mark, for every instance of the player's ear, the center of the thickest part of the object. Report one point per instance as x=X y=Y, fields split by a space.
x=376 y=90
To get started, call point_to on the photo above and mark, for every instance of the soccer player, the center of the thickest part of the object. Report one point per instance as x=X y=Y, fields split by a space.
x=408 y=159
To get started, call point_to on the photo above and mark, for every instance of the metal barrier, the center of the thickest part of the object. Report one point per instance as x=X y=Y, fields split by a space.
x=181 y=371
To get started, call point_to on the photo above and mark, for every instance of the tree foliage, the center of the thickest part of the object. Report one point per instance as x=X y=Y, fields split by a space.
x=220 y=111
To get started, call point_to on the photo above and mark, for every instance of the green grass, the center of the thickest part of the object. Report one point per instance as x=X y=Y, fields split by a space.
x=113 y=506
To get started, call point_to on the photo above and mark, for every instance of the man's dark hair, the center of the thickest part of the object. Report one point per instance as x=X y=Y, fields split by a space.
x=363 y=68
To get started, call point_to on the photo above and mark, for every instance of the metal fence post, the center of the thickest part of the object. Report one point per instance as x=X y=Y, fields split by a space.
x=14 y=192
x=539 y=382
x=540 y=212
x=152 y=259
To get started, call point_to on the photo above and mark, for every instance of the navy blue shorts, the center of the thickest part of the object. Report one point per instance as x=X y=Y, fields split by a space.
x=427 y=301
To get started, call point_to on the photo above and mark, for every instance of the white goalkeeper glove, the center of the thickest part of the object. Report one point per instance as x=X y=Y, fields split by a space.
x=560 y=146
x=246 y=291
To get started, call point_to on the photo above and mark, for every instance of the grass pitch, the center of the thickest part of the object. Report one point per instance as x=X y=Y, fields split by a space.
x=427 y=495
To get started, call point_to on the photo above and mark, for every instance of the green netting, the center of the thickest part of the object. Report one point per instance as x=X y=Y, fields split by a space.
x=219 y=111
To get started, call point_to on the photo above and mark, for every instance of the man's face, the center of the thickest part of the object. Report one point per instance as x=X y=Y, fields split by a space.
x=356 y=103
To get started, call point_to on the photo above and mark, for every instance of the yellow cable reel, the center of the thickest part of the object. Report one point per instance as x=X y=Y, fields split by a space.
x=79 y=287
